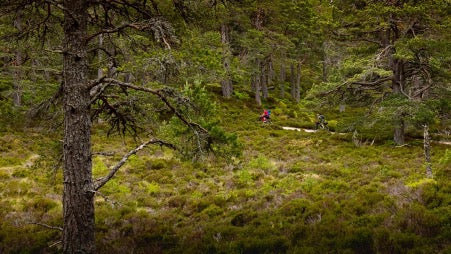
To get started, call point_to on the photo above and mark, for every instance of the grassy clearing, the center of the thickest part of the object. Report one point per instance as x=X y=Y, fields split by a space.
x=291 y=192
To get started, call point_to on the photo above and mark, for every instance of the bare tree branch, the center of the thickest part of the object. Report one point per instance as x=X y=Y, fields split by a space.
x=96 y=82
x=138 y=26
x=96 y=93
x=107 y=199
x=104 y=153
x=100 y=48
x=55 y=243
x=46 y=226
x=102 y=181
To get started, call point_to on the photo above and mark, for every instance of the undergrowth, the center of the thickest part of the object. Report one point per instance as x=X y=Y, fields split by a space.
x=290 y=192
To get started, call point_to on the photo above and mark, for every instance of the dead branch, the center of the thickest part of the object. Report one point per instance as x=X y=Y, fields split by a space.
x=55 y=243
x=100 y=48
x=401 y=88
x=45 y=225
x=137 y=26
x=93 y=83
x=102 y=181
x=107 y=199
x=104 y=153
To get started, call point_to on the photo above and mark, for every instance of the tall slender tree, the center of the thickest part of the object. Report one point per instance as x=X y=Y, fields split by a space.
x=84 y=21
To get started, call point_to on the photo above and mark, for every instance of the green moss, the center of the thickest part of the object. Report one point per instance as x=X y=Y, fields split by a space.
x=10 y=161
x=261 y=162
x=290 y=192
x=150 y=188
x=98 y=167
x=446 y=158
x=115 y=187
x=4 y=175
x=244 y=178
x=43 y=204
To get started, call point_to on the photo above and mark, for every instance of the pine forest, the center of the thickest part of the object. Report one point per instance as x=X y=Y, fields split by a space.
x=225 y=126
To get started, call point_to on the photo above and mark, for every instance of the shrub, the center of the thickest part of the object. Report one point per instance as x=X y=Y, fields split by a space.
x=261 y=162
x=21 y=173
x=43 y=204
x=212 y=210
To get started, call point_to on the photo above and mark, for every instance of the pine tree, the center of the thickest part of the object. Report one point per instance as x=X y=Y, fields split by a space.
x=394 y=58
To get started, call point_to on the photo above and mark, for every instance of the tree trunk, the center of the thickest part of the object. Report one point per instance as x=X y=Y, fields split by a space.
x=297 y=95
x=293 y=81
x=78 y=196
x=397 y=67
x=397 y=83
x=17 y=93
x=325 y=61
x=263 y=79
x=282 y=80
x=258 y=20
x=324 y=69
x=226 y=83
x=257 y=89
x=270 y=71
x=427 y=151
x=398 y=135
x=100 y=57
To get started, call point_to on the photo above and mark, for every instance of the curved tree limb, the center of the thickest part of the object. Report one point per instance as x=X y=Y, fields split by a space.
x=102 y=181
x=46 y=226
x=137 y=26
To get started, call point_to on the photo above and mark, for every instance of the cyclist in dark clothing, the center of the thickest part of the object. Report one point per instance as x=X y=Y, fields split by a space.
x=321 y=122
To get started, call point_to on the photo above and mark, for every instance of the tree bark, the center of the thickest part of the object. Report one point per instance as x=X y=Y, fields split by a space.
x=258 y=20
x=293 y=81
x=100 y=57
x=324 y=69
x=270 y=71
x=427 y=151
x=397 y=67
x=226 y=83
x=398 y=135
x=325 y=61
x=282 y=80
x=397 y=83
x=17 y=93
x=78 y=202
x=297 y=94
x=263 y=79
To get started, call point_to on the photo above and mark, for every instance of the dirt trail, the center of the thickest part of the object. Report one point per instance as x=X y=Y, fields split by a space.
x=308 y=130
x=341 y=133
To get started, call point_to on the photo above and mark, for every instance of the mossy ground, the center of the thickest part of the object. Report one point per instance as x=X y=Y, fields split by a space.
x=290 y=192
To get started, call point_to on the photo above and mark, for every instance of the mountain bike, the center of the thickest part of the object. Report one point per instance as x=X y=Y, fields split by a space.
x=266 y=121
x=322 y=126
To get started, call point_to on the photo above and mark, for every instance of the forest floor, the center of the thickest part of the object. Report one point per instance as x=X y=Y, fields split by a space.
x=290 y=192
